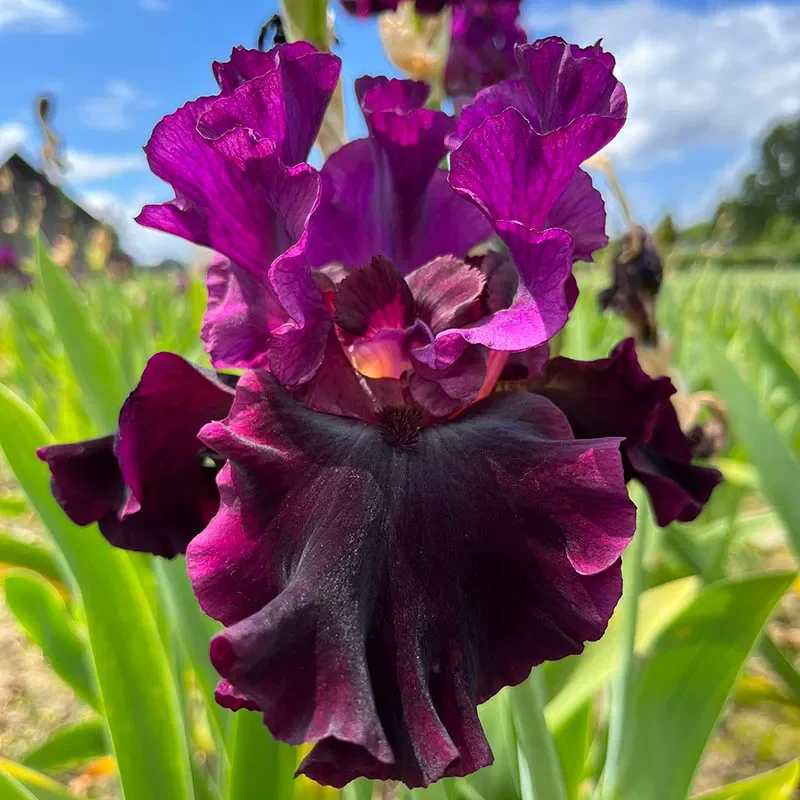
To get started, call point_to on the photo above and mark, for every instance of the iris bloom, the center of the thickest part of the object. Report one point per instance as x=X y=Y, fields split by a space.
x=395 y=540
x=483 y=35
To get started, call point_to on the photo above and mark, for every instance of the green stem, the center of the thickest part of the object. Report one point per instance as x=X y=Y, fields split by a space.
x=780 y=665
x=632 y=581
x=528 y=701
x=260 y=767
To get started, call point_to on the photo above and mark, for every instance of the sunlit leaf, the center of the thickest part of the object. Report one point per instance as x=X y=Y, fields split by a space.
x=69 y=746
x=778 y=468
x=777 y=784
x=34 y=783
x=33 y=556
x=657 y=608
x=682 y=684
x=44 y=617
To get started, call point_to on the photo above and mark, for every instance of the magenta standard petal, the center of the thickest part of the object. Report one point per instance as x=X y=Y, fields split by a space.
x=513 y=173
x=233 y=195
x=284 y=105
x=581 y=212
x=484 y=34
x=615 y=397
x=244 y=64
x=386 y=195
x=567 y=83
x=562 y=86
x=377 y=582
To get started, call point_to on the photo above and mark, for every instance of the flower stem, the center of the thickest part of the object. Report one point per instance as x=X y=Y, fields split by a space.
x=537 y=744
x=632 y=581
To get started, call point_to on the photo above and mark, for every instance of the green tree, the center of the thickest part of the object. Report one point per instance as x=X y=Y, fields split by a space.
x=773 y=189
x=666 y=233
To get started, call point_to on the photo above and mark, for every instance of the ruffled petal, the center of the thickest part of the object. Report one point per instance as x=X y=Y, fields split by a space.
x=615 y=397
x=678 y=489
x=538 y=311
x=233 y=195
x=285 y=105
x=245 y=64
x=447 y=293
x=513 y=173
x=374 y=580
x=562 y=86
x=581 y=212
x=567 y=83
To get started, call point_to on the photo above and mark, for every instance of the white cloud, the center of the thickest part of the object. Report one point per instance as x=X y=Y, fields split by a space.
x=155 y=5
x=12 y=135
x=714 y=77
x=147 y=246
x=38 y=16
x=82 y=167
x=114 y=110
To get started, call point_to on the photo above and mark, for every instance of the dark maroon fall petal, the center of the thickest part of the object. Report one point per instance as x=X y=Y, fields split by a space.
x=378 y=581
x=85 y=479
x=614 y=397
x=152 y=487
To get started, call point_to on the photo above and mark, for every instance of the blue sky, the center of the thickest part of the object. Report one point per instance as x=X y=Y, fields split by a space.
x=705 y=79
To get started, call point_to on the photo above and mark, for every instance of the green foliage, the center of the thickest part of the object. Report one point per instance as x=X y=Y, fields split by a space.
x=69 y=747
x=680 y=688
x=666 y=233
x=43 y=615
x=777 y=784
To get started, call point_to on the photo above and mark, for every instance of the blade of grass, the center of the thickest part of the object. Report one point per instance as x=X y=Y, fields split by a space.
x=778 y=469
x=90 y=354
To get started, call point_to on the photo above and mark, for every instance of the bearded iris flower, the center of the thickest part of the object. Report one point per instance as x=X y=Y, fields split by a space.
x=393 y=541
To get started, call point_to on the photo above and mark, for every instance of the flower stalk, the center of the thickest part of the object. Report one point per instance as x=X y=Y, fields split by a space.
x=537 y=743
x=621 y=689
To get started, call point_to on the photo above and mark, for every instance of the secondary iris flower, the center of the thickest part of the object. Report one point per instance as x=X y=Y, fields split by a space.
x=483 y=35
x=363 y=8
x=395 y=541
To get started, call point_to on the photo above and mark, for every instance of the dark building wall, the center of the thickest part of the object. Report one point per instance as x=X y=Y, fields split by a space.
x=29 y=201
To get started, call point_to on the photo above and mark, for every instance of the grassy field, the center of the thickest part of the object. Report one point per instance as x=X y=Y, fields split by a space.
x=734 y=333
